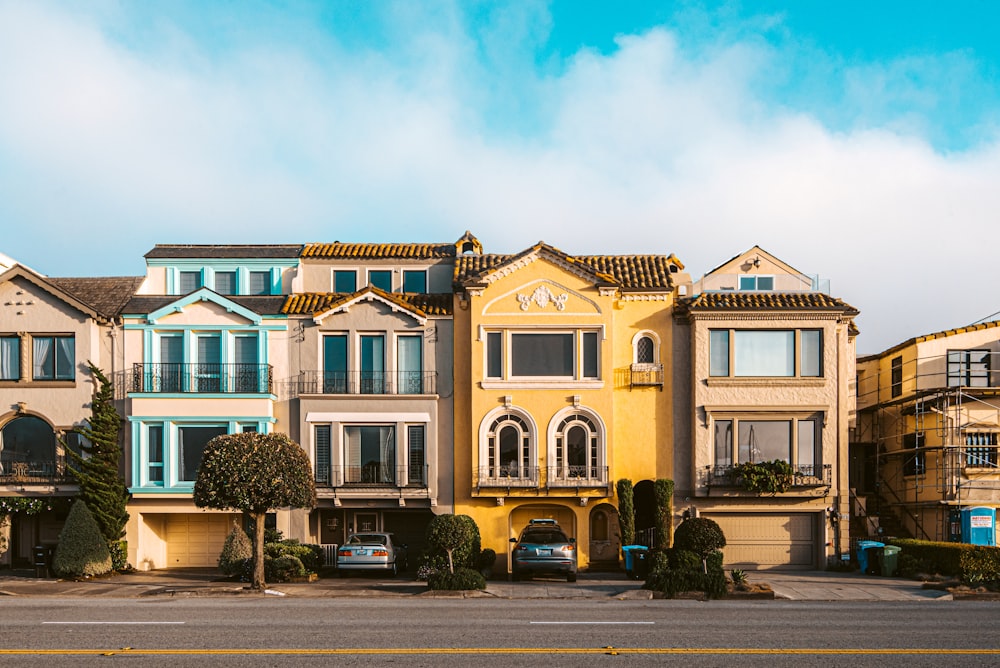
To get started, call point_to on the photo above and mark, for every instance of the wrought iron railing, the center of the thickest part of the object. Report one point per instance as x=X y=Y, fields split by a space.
x=198 y=378
x=646 y=374
x=364 y=382
x=372 y=475
x=577 y=476
x=508 y=476
x=45 y=472
x=802 y=476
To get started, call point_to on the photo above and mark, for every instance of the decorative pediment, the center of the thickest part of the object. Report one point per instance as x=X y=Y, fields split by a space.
x=542 y=296
x=199 y=296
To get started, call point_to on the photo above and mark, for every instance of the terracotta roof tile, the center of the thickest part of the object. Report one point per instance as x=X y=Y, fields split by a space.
x=641 y=272
x=107 y=295
x=765 y=301
x=376 y=251
x=311 y=303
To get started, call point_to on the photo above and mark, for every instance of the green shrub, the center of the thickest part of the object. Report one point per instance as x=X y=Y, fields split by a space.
x=461 y=579
x=456 y=537
x=981 y=565
x=235 y=552
x=487 y=558
x=82 y=549
x=626 y=511
x=310 y=555
x=974 y=564
x=671 y=582
x=663 y=491
x=119 y=555
x=659 y=560
x=283 y=569
x=765 y=477
x=699 y=535
x=683 y=559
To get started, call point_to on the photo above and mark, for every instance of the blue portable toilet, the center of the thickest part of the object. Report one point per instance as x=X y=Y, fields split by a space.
x=979 y=526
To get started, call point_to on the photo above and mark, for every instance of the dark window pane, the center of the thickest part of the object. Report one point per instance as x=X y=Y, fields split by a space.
x=415 y=281
x=322 y=442
x=494 y=355
x=345 y=281
x=335 y=364
x=719 y=352
x=765 y=440
x=225 y=282
x=191 y=446
x=542 y=355
x=765 y=282
x=590 y=355
x=723 y=442
x=260 y=283
x=188 y=281
x=381 y=280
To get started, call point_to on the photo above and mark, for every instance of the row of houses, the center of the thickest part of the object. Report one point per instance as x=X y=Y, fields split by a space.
x=426 y=378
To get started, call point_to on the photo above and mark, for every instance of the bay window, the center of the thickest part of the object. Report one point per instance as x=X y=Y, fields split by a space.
x=756 y=439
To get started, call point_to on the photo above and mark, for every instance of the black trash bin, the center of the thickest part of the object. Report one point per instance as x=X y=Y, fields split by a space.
x=640 y=563
x=41 y=559
x=875 y=555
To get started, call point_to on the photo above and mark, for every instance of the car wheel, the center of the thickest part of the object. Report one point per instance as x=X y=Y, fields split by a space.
x=571 y=577
x=395 y=569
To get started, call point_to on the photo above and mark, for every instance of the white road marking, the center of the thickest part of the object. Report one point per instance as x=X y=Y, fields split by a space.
x=591 y=622
x=103 y=623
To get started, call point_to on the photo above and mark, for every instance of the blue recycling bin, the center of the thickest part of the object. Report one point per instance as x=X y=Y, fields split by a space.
x=863 y=553
x=628 y=553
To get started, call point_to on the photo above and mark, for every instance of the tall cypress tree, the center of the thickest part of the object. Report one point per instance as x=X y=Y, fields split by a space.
x=101 y=483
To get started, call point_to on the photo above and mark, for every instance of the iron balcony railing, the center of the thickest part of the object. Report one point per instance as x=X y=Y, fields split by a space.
x=364 y=382
x=577 y=476
x=372 y=475
x=645 y=374
x=198 y=378
x=508 y=476
x=46 y=472
x=802 y=476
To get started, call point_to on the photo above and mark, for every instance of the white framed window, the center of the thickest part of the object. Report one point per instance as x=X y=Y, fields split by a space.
x=53 y=357
x=381 y=279
x=345 y=280
x=766 y=353
x=543 y=354
x=576 y=448
x=756 y=282
x=646 y=348
x=415 y=281
x=508 y=448
x=10 y=357
x=756 y=438
x=969 y=368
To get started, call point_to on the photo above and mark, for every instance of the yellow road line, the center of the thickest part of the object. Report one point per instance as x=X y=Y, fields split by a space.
x=502 y=650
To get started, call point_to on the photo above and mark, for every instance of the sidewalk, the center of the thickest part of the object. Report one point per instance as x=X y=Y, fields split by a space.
x=792 y=585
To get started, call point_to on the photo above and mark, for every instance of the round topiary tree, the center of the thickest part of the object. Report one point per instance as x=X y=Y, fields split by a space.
x=235 y=552
x=255 y=473
x=701 y=536
x=448 y=533
x=82 y=550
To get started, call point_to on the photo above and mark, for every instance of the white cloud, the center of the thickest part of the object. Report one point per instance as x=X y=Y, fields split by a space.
x=649 y=149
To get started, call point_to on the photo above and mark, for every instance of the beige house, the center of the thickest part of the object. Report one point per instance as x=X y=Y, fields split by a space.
x=767 y=359
x=50 y=328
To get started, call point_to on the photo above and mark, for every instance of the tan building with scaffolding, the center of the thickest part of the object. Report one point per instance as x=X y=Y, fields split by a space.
x=925 y=444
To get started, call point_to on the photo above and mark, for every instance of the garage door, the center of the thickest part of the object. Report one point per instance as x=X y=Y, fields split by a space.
x=196 y=539
x=520 y=517
x=768 y=540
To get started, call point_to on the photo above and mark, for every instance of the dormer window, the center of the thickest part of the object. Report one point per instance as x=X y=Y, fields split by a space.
x=188 y=281
x=345 y=280
x=225 y=282
x=755 y=282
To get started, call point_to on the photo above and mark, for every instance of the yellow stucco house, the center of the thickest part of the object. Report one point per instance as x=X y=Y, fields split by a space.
x=562 y=387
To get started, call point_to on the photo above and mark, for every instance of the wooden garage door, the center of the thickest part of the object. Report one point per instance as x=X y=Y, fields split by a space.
x=768 y=540
x=196 y=539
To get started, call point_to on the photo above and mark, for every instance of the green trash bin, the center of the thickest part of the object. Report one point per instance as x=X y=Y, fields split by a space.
x=890 y=560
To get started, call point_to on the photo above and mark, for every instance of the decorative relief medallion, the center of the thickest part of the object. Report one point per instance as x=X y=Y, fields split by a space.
x=543 y=297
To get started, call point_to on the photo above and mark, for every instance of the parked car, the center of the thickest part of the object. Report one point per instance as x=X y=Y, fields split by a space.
x=371 y=551
x=543 y=548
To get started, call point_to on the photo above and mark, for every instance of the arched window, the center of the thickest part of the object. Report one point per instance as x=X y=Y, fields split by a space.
x=509 y=448
x=27 y=445
x=577 y=449
x=645 y=348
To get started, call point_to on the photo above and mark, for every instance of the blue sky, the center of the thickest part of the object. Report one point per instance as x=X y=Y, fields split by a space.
x=855 y=140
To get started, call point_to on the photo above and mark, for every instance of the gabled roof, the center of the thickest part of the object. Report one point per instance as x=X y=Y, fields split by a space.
x=99 y=298
x=764 y=301
x=636 y=272
x=224 y=251
x=757 y=250
x=319 y=304
x=338 y=250
x=978 y=327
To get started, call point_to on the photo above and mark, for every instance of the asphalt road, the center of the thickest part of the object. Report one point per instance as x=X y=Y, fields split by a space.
x=256 y=631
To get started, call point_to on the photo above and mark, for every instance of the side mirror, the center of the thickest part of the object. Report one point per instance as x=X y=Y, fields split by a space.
x=572 y=540
x=513 y=540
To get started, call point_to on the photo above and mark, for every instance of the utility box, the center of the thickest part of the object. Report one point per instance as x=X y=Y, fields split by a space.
x=979 y=526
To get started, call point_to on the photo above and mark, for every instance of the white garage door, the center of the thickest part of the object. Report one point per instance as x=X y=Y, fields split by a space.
x=196 y=539
x=768 y=540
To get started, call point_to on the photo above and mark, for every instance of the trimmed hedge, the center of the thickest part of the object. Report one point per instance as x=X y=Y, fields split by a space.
x=684 y=572
x=310 y=555
x=82 y=549
x=974 y=564
x=462 y=579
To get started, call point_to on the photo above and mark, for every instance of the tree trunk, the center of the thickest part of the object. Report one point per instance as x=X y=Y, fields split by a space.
x=258 y=551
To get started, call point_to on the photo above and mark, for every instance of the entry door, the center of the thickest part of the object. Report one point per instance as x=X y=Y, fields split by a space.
x=604 y=535
x=364 y=522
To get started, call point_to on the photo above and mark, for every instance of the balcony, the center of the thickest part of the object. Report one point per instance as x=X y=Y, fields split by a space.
x=363 y=382
x=378 y=476
x=49 y=472
x=577 y=476
x=508 y=476
x=646 y=375
x=803 y=477
x=197 y=378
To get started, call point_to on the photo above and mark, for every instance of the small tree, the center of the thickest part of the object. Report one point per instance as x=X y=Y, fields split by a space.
x=82 y=550
x=235 y=552
x=663 y=490
x=626 y=511
x=101 y=482
x=701 y=536
x=254 y=473
x=448 y=533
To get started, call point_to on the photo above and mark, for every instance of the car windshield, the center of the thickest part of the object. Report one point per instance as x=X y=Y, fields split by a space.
x=544 y=536
x=357 y=539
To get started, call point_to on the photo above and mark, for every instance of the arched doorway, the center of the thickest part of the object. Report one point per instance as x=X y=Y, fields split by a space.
x=605 y=537
x=520 y=516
